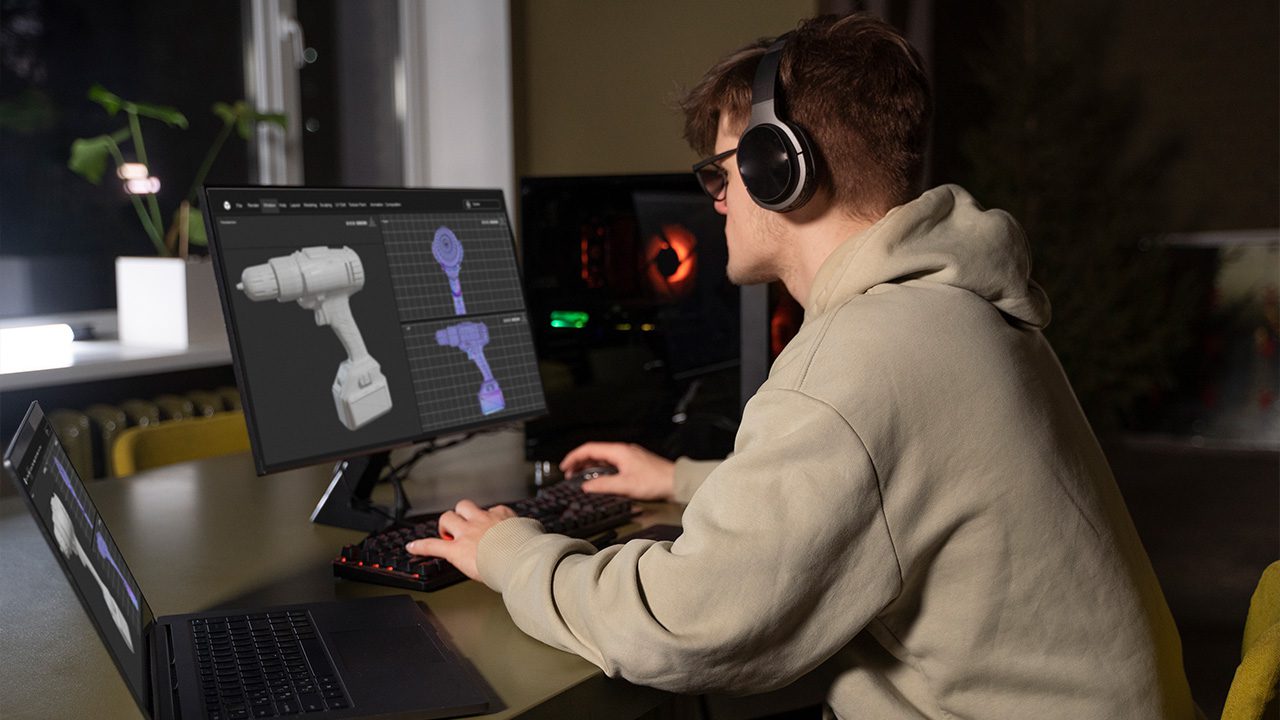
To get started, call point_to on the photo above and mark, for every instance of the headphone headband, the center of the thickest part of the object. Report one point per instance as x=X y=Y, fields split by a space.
x=766 y=82
x=775 y=157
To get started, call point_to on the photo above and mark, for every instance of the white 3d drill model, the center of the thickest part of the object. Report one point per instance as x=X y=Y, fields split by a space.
x=322 y=279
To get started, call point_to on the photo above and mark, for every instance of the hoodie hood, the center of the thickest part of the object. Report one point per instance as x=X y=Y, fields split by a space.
x=945 y=237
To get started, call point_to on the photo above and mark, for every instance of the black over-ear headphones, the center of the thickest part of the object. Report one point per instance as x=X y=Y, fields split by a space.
x=775 y=157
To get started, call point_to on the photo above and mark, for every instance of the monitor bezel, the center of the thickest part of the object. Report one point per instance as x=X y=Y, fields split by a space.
x=251 y=420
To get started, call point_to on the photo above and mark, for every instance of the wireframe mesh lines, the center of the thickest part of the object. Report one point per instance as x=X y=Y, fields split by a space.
x=487 y=276
x=448 y=384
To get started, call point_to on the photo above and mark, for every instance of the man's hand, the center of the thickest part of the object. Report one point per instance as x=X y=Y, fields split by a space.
x=460 y=533
x=641 y=474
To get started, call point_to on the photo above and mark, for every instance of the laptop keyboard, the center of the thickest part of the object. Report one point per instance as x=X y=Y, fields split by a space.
x=264 y=665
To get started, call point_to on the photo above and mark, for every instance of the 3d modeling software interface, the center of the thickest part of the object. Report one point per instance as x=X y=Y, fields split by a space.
x=417 y=322
x=83 y=545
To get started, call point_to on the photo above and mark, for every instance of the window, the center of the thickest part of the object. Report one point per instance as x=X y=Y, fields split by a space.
x=59 y=234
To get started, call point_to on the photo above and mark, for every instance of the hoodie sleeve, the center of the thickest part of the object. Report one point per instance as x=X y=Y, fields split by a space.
x=785 y=556
x=690 y=474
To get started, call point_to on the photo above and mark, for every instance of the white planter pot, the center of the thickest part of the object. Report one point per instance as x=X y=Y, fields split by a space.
x=168 y=303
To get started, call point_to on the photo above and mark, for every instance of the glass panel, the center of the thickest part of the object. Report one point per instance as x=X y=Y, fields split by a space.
x=351 y=127
x=59 y=234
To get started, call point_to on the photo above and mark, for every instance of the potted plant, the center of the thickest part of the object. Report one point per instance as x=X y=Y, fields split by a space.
x=169 y=300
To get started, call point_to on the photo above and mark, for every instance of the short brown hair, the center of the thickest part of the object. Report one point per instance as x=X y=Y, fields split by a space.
x=854 y=85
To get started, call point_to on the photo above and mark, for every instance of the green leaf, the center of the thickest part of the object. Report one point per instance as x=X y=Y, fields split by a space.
x=224 y=112
x=245 y=117
x=168 y=115
x=276 y=118
x=89 y=157
x=195 y=225
x=107 y=99
x=195 y=228
x=244 y=126
x=113 y=104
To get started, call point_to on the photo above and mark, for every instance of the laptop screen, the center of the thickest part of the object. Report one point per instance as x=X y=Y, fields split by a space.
x=82 y=545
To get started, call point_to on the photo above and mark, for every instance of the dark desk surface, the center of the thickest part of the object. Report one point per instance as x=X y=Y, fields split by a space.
x=211 y=534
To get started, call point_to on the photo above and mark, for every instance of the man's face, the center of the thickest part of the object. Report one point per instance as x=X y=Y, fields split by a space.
x=755 y=235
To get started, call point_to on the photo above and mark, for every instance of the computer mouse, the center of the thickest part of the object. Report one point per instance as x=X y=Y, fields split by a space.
x=591 y=472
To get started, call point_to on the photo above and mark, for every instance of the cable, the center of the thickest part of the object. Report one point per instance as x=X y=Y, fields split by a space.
x=398 y=473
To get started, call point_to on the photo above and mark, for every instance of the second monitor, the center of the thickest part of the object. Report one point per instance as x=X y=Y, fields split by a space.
x=636 y=324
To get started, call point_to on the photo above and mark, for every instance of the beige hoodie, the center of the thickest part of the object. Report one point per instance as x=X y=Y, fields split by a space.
x=914 y=496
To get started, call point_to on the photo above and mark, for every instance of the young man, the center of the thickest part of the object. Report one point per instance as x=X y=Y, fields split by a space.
x=914 y=498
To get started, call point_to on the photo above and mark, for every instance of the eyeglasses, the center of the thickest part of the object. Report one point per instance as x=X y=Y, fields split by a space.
x=713 y=178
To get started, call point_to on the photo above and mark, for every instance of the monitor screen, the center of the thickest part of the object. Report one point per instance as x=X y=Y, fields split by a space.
x=635 y=321
x=82 y=545
x=362 y=319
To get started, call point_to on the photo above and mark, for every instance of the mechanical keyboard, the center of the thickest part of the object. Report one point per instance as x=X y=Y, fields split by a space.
x=564 y=508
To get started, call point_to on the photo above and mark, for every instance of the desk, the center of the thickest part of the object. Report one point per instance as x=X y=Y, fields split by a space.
x=194 y=535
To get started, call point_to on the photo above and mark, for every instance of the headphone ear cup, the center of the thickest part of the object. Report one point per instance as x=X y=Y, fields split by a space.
x=806 y=165
x=775 y=158
x=765 y=162
x=776 y=163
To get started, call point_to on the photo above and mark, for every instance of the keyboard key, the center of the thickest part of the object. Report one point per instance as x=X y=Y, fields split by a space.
x=311 y=703
x=251 y=673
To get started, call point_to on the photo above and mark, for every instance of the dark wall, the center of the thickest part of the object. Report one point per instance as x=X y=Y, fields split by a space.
x=1202 y=74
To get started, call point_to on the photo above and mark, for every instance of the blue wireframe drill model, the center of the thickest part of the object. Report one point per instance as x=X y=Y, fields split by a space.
x=448 y=252
x=471 y=337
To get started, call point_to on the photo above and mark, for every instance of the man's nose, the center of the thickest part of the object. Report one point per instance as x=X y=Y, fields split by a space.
x=722 y=206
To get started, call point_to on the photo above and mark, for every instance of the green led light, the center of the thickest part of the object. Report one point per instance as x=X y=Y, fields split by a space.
x=569 y=319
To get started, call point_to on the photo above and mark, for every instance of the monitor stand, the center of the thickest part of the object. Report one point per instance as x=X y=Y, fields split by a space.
x=347 y=503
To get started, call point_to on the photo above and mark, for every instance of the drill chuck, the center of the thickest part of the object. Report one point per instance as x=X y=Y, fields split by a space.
x=310 y=272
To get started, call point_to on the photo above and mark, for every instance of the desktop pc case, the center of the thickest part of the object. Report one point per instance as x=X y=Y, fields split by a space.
x=640 y=335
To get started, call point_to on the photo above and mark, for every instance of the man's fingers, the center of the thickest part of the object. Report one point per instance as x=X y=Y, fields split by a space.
x=606 y=484
x=502 y=512
x=450 y=524
x=467 y=509
x=431 y=547
x=594 y=451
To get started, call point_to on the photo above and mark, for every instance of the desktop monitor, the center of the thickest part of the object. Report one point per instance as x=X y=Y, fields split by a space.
x=638 y=329
x=364 y=319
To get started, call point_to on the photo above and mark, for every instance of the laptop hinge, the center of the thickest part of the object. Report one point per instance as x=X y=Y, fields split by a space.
x=164 y=675
x=152 y=709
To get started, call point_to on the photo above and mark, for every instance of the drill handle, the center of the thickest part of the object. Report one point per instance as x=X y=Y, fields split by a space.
x=335 y=311
x=475 y=353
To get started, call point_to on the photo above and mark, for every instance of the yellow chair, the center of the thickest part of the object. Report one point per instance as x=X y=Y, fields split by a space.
x=73 y=431
x=107 y=421
x=140 y=448
x=1255 y=683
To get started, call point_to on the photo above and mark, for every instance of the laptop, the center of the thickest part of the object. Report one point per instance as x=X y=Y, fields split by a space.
x=364 y=658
